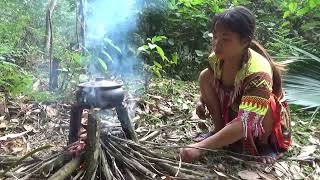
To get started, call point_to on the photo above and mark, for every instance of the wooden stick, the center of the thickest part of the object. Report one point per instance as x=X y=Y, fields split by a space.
x=171 y=170
x=104 y=166
x=66 y=170
x=134 y=164
x=150 y=136
x=78 y=175
x=92 y=151
x=130 y=175
x=141 y=157
x=25 y=157
x=56 y=160
x=114 y=168
x=126 y=123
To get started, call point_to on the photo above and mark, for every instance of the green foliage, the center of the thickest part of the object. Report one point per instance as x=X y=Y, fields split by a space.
x=302 y=16
x=47 y=96
x=155 y=52
x=13 y=79
x=302 y=81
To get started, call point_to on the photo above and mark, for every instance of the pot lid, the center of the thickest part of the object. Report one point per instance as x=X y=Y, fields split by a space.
x=101 y=84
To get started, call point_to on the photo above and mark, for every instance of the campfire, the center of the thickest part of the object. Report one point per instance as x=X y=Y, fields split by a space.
x=101 y=154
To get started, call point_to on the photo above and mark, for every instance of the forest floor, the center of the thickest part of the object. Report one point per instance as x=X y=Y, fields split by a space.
x=165 y=120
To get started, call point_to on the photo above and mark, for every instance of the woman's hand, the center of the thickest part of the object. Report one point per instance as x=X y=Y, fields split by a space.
x=190 y=154
x=201 y=110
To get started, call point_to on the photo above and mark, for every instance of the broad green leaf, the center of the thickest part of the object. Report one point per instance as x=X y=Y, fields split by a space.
x=152 y=46
x=199 y=53
x=103 y=64
x=143 y=48
x=286 y=14
x=174 y=58
x=108 y=55
x=161 y=53
x=77 y=58
x=196 y=2
x=155 y=70
x=293 y=6
x=158 y=38
x=285 y=23
x=313 y=3
x=109 y=41
x=157 y=64
x=302 y=11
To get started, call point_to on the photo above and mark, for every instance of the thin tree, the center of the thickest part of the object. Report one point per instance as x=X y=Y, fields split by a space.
x=49 y=40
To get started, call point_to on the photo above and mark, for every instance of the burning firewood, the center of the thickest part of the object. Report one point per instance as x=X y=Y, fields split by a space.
x=106 y=157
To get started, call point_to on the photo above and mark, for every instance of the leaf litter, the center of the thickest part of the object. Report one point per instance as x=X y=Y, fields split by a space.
x=164 y=122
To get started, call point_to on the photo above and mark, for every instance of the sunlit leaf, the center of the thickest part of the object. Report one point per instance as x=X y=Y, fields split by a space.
x=108 y=55
x=174 y=58
x=157 y=64
x=302 y=11
x=143 y=48
x=103 y=64
x=152 y=46
x=109 y=42
x=286 y=14
x=161 y=53
x=158 y=38
x=293 y=6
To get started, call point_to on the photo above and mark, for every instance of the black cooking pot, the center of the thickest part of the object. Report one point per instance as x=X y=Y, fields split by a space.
x=102 y=93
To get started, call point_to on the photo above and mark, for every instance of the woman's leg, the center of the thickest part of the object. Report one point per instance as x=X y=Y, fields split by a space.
x=209 y=98
x=268 y=126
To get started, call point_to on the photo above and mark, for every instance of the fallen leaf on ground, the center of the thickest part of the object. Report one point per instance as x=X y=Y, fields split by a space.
x=12 y=136
x=281 y=169
x=296 y=172
x=28 y=127
x=306 y=151
x=185 y=106
x=248 y=175
x=313 y=140
x=220 y=173
x=15 y=146
x=14 y=120
x=37 y=110
x=266 y=176
x=166 y=178
x=194 y=115
x=3 y=125
x=51 y=112
x=165 y=109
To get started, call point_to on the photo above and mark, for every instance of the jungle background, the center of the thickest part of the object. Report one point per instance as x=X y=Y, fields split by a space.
x=157 y=48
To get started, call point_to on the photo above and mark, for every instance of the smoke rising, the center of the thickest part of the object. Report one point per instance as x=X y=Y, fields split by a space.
x=109 y=28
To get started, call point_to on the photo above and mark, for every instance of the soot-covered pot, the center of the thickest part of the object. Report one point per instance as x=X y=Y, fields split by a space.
x=101 y=93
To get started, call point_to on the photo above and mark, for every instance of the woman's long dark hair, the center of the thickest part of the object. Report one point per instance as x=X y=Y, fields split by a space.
x=241 y=20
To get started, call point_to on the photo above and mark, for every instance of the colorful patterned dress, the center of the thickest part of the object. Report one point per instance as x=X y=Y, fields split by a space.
x=249 y=100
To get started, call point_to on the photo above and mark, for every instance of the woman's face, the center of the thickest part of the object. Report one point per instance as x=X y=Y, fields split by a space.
x=226 y=44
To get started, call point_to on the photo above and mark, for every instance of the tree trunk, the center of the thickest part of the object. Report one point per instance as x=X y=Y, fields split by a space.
x=49 y=37
x=80 y=25
x=54 y=73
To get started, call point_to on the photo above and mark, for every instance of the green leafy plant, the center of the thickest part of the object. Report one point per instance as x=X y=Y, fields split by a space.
x=302 y=81
x=13 y=79
x=155 y=52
